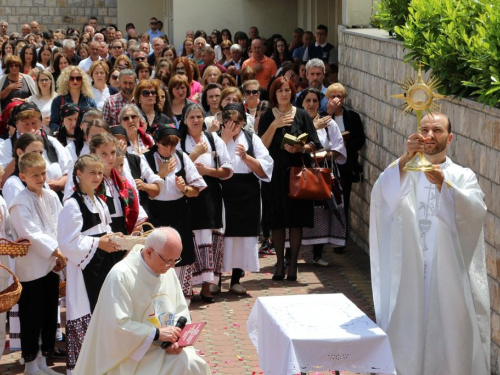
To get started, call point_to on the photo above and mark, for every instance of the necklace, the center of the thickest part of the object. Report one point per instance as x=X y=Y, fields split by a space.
x=285 y=113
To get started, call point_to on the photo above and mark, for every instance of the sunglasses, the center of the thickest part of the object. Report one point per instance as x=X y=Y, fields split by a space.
x=115 y=77
x=153 y=23
x=127 y=118
x=139 y=59
x=251 y=92
x=148 y=92
x=226 y=49
x=77 y=78
x=121 y=67
x=117 y=47
x=44 y=80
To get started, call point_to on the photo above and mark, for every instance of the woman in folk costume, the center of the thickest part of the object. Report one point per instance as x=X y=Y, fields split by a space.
x=171 y=207
x=83 y=236
x=210 y=157
x=241 y=194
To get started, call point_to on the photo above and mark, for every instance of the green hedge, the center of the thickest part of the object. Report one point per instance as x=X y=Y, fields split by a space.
x=458 y=39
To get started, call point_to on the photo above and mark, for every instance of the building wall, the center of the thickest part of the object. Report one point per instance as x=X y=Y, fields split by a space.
x=371 y=65
x=54 y=14
x=129 y=11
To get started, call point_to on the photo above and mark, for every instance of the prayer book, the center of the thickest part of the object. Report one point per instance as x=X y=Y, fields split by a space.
x=190 y=333
x=292 y=140
x=346 y=134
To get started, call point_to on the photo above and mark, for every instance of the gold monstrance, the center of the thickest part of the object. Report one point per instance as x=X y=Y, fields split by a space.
x=419 y=98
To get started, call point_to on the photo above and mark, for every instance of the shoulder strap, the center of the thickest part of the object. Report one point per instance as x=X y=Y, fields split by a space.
x=180 y=155
x=211 y=140
x=249 y=137
x=150 y=158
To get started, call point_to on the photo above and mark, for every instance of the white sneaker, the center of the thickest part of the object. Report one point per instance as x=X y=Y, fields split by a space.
x=321 y=262
x=238 y=289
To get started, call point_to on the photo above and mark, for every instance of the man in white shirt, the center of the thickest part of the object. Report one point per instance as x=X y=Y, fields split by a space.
x=139 y=304
x=94 y=49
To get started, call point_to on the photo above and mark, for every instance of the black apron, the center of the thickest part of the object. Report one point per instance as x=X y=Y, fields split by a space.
x=174 y=213
x=97 y=269
x=241 y=195
x=117 y=223
x=134 y=163
x=206 y=208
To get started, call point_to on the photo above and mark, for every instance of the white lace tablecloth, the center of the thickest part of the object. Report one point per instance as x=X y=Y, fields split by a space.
x=321 y=332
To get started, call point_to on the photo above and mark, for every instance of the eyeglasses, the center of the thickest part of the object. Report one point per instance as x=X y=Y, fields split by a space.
x=127 y=118
x=336 y=96
x=153 y=23
x=226 y=49
x=121 y=67
x=169 y=263
x=117 y=47
x=77 y=78
x=148 y=92
x=44 y=80
x=139 y=59
x=14 y=66
x=251 y=92
x=180 y=69
x=114 y=76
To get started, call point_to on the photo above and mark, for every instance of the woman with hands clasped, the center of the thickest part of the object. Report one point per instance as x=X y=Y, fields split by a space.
x=210 y=156
x=329 y=228
x=182 y=182
x=280 y=211
x=241 y=195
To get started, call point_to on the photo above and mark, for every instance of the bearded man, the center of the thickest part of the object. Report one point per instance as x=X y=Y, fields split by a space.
x=428 y=265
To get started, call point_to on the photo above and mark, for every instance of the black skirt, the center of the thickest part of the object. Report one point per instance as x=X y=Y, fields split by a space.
x=176 y=214
x=206 y=208
x=241 y=195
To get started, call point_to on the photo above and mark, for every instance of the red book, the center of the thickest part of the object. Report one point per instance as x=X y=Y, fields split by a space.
x=190 y=333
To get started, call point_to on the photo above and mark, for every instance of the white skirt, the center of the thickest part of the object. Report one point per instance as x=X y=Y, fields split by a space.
x=241 y=252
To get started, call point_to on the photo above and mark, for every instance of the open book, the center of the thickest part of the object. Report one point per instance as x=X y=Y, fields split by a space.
x=292 y=140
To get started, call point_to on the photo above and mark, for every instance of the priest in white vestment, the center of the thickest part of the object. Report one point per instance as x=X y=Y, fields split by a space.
x=138 y=307
x=428 y=264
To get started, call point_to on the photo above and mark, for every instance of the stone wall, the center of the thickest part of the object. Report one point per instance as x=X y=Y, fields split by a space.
x=371 y=65
x=55 y=14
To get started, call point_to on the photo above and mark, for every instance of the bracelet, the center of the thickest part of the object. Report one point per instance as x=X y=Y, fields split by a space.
x=157 y=335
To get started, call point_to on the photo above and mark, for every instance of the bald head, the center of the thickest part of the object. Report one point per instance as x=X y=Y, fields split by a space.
x=257 y=49
x=162 y=249
x=439 y=118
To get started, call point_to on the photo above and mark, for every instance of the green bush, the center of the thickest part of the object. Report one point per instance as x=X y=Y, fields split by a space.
x=390 y=13
x=460 y=41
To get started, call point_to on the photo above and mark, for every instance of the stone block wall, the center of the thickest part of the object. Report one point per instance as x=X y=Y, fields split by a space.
x=371 y=65
x=55 y=14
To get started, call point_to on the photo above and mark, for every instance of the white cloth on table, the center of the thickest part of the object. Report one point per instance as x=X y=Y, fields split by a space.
x=454 y=337
x=323 y=332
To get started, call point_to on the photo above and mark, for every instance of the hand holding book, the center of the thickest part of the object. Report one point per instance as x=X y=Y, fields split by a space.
x=292 y=140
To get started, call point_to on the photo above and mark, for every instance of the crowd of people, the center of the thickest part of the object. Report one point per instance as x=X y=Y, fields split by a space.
x=103 y=130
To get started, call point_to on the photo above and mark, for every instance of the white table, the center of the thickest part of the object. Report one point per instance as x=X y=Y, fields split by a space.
x=318 y=332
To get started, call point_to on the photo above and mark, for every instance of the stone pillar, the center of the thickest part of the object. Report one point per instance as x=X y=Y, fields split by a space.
x=356 y=12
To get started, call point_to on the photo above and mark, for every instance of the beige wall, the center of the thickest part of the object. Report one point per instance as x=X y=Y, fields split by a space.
x=270 y=16
x=311 y=13
x=139 y=13
x=356 y=12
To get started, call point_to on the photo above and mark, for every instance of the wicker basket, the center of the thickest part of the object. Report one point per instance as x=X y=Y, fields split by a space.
x=128 y=242
x=17 y=248
x=10 y=295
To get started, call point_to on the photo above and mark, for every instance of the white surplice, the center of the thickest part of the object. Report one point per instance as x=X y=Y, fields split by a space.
x=133 y=301
x=243 y=252
x=454 y=336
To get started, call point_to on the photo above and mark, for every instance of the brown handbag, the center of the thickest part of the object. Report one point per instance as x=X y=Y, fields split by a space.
x=310 y=183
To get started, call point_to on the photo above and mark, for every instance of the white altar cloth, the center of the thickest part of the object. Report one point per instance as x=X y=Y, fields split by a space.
x=319 y=332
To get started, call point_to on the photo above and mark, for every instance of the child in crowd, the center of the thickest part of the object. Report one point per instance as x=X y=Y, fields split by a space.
x=34 y=216
x=120 y=160
x=84 y=231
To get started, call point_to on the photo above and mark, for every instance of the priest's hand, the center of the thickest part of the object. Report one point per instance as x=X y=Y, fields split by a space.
x=173 y=349
x=169 y=334
x=414 y=143
x=436 y=177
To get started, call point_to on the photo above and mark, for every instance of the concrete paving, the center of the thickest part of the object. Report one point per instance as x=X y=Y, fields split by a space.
x=224 y=343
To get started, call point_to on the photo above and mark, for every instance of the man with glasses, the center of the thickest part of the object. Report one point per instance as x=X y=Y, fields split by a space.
x=117 y=47
x=138 y=57
x=94 y=48
x=138 y=307
x=154 y=32
x=321 y=49
x=114 y=104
